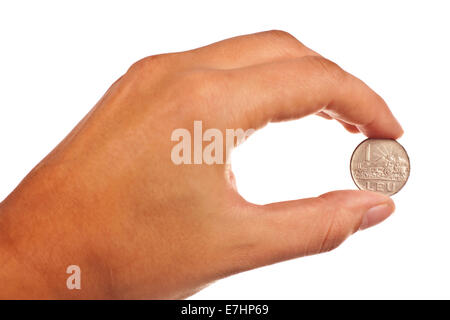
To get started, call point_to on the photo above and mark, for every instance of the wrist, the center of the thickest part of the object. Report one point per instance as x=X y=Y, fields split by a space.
x=40 y=237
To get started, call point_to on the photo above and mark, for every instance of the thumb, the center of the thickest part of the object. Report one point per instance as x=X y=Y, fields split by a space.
x=286 y=230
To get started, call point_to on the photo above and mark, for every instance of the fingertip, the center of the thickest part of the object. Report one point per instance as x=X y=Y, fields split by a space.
x=384 y=124
x=388 y=128
x=356 y=198
x=377 y=214
x=396 y=129
x=400 y=132
x=371 y=114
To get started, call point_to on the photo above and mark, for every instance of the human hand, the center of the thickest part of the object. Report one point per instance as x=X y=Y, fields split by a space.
x=110 y=199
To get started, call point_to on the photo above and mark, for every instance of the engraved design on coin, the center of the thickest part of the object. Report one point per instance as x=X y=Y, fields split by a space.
x=380 y=165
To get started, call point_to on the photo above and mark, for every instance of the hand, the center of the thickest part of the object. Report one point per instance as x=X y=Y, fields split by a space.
x=110 y=199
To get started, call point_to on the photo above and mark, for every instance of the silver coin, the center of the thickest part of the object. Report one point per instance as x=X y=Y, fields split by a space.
x=380 y=165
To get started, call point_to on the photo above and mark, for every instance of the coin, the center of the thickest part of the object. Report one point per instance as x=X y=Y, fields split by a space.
x=380 y=165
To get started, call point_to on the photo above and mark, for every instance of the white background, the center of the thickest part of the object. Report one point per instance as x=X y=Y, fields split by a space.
x=57 y=59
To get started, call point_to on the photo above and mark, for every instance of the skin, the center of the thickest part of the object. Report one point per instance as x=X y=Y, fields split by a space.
x=109 y=199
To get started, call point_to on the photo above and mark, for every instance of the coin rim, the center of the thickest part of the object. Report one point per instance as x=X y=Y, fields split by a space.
x=409 y=162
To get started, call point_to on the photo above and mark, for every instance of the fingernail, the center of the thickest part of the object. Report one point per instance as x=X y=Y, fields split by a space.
x=376 y=214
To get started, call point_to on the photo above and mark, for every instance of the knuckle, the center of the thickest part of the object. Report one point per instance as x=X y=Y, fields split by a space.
x=285 y=44
x=280 y=34
x=334 y=221
x=327 y=68
x=288 y=43
x=332 y=236
x=149 y=65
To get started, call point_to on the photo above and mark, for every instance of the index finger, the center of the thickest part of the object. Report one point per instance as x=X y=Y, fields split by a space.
x=291 y=89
